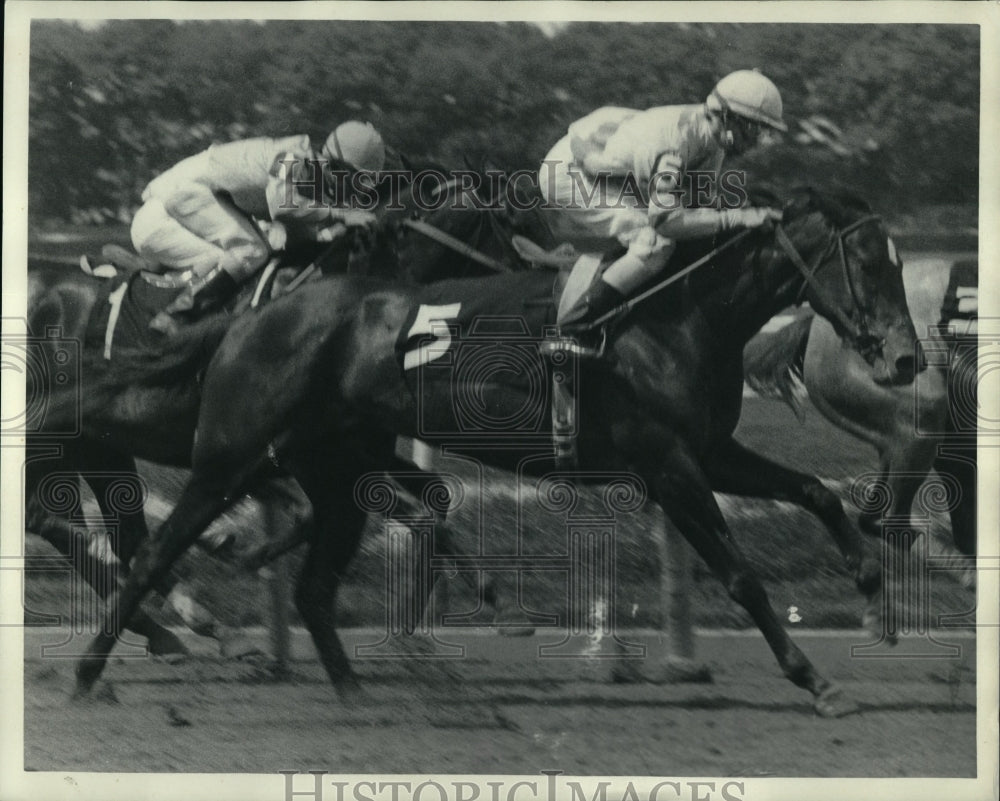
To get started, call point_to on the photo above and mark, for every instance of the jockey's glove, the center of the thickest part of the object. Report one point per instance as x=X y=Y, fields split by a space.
x=331 y=233
x=354 y=218
x=695 y=223
x=750 y=217
x=276 y=233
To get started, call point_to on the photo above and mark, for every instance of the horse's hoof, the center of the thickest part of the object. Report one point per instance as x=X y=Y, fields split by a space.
x=88 y=671
x=833 y=703
x=102 y=692
x=680 y=671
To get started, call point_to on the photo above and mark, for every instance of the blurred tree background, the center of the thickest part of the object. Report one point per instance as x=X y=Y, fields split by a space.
x=891 y=111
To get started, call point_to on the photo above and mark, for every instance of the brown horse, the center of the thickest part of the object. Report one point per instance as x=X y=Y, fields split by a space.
x=326 y=380
x=912 y=427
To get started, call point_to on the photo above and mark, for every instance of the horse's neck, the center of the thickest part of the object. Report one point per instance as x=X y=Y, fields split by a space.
x=734 y=310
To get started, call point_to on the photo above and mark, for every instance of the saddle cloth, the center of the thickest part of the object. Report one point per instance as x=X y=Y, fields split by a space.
x=960 y=307
x=123 y=311
x=469 y=354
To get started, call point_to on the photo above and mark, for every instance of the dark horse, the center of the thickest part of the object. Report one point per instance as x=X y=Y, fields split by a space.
x=156 y=419
x=323 y=382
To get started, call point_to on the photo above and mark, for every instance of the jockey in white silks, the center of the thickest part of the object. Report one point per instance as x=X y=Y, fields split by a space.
x=206 y=214
x=644 y=159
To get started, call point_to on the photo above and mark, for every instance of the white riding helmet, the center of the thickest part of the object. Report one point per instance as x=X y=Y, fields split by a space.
x=748 y=94
x=357 y=143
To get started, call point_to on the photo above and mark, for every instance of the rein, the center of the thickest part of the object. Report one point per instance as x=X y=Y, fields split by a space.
x=629 y=304
x=457 y=245
x=858 y=331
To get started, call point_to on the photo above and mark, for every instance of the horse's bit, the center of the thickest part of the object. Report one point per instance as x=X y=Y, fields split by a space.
x=866 y=342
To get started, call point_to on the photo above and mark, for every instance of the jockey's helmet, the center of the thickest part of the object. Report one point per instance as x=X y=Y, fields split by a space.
x=358 y=144
x=749 y=94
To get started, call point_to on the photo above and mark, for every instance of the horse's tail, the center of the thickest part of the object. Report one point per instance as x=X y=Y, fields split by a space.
x=772 y=361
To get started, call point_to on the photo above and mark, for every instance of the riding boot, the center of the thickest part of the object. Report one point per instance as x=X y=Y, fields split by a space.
x=599 y=299
x=200 y=296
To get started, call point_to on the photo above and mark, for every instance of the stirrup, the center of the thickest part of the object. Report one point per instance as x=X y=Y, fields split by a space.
x=564 y=417
x=570 y=343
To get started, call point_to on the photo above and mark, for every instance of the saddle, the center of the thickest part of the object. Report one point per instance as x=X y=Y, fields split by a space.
x=124 y=309
x=135 y=293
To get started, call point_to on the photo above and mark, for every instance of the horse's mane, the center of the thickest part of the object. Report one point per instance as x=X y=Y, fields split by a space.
x=773 y=361
x=841 y=206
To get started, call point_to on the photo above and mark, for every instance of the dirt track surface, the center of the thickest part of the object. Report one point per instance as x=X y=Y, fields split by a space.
x=501 y=709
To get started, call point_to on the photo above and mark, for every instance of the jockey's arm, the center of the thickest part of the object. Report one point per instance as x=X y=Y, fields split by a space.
x=670 y=215
x=289 y=174
x=305 y=215
x=589 y=152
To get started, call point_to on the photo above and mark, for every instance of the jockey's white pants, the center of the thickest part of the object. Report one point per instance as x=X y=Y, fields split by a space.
x=577 y=214
x=187 y=226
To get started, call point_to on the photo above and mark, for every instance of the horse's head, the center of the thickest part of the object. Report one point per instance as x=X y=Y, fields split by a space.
x=851 y=274
x=481 y=209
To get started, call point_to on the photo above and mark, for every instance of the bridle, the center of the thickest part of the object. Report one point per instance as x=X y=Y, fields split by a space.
x=866 y=343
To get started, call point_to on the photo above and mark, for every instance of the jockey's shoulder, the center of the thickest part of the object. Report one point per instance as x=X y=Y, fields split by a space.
x=298 y=146
x=296 y=151
x=684 y=115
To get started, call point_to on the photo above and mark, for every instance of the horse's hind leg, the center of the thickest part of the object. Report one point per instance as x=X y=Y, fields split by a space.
x=338 y=523
x=684 y=492
x=736 y=470
x=101 y=573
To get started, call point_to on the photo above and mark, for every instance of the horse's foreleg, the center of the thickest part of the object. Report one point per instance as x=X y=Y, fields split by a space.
x=684 y=492
x=203 y=499
x=736 y=470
